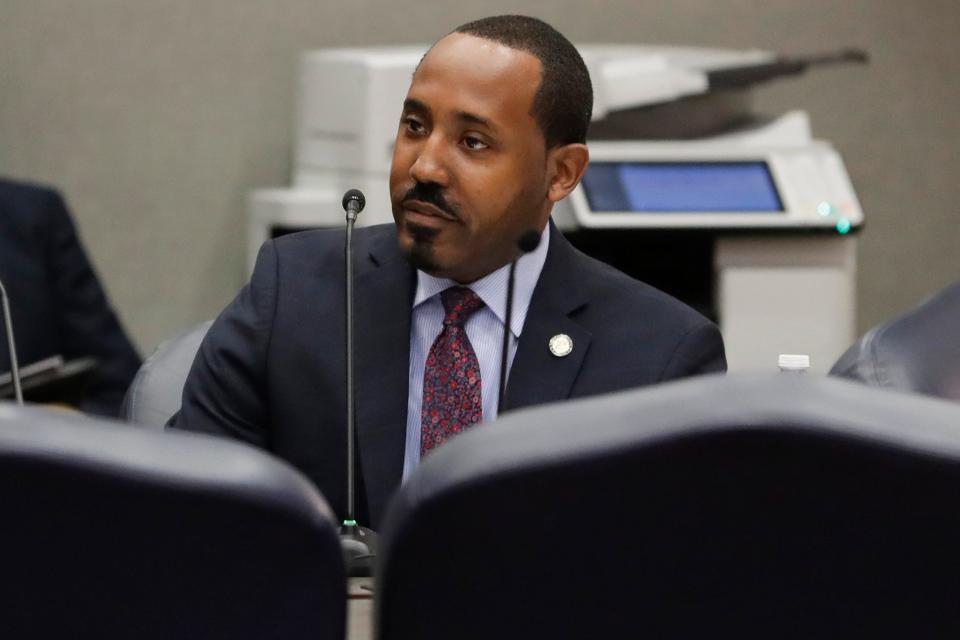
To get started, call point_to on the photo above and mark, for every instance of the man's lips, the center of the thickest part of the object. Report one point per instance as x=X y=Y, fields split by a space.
x=427 y=209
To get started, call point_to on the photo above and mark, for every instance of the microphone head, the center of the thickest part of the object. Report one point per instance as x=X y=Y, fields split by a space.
x=353 y=199
x=528 y=241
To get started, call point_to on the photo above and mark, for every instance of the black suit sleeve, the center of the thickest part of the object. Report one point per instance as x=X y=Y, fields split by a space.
x=698 y=352
x=85 y=322
x=226 y=391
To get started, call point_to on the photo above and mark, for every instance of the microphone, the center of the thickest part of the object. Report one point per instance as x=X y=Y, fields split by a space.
x=527 y=242
x=11 y=346
x=359 y=544
x=353 y=203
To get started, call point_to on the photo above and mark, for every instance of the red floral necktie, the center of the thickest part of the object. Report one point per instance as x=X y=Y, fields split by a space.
x=451 y=379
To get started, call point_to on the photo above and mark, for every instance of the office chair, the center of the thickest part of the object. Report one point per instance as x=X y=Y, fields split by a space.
x=154 y=395
x=918 y=351
x=731 y=507
x=110 y=532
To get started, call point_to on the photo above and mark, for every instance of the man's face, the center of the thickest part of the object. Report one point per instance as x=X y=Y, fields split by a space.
x=469 y=171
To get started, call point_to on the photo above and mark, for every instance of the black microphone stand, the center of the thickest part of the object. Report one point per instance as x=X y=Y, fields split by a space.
x=359 y=544
x=526 y=243
x=11 y=346
x=505 y=349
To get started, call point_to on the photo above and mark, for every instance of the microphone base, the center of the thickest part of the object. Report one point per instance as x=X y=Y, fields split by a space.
x=359 y=546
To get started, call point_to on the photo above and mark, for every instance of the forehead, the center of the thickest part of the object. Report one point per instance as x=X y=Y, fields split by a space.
x=480 y=77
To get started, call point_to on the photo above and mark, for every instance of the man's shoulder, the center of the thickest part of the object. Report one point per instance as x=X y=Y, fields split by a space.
x=317 y=241
x=305 y=260
x=25 y=200
x=27 y=191
x=630 y=300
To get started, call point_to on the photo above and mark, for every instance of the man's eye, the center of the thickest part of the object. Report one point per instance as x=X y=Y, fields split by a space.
x=475 y=144
x=413 y=126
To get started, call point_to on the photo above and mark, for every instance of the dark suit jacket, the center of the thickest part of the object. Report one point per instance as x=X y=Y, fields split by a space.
x=57 y=303
x=271 y=370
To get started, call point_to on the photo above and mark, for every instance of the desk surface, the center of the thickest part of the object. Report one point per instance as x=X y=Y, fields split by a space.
x=360 y=609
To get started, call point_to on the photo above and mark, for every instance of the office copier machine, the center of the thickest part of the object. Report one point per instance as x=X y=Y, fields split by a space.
x=747 y=218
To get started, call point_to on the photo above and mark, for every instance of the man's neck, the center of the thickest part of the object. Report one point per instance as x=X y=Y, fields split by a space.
x=492 y=287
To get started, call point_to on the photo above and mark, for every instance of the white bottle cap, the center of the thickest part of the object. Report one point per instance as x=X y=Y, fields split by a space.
x=793 y=362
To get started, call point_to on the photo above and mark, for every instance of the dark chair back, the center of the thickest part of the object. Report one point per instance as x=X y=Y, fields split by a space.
x=112 y=532
x=776 y=507
x=918 y=351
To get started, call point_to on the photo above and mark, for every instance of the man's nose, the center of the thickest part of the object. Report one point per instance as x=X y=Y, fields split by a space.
x=431 y=163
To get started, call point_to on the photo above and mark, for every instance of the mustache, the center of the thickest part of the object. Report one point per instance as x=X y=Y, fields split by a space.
x=430 y=193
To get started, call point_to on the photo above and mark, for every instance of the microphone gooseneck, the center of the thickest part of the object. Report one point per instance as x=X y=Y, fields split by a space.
x=11 y=346
x=358 y=543
x=527 y=242
x=353 y=202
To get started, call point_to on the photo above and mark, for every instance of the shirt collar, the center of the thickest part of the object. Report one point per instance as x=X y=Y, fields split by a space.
x=492 y=288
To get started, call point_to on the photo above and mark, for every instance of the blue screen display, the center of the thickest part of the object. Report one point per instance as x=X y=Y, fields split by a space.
x=677 y=187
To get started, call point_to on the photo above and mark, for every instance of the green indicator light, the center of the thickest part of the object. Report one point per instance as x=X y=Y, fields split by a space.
x=843 y=226
x=825 y=209
x=349 y=523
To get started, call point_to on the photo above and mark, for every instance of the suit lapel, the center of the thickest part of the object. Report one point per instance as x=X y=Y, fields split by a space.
x=537 y=376
x=383 y=297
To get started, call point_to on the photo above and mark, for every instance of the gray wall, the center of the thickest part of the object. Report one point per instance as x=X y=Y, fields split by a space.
x=156 y=119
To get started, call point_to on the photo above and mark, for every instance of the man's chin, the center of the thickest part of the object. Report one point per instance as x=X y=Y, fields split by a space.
x=417 y=245
x=424 y=262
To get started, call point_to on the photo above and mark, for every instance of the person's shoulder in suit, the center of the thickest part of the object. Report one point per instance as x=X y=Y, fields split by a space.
x=627 y=315
x=22 y=194
x=62 y=306
x=294 y=273
x=320 y=251
x=30 y=211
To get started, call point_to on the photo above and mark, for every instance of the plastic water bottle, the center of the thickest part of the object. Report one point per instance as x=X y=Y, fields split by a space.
x=793 y=364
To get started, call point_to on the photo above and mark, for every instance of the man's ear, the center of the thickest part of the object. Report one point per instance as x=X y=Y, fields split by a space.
x=567 y=164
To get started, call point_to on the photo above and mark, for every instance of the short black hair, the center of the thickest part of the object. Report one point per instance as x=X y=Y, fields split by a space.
x=564 y=100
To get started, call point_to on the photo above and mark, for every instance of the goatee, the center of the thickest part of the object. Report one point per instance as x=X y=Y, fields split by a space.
x=420 y=254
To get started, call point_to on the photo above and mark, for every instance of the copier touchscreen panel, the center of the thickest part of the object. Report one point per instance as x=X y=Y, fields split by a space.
x=681 y=187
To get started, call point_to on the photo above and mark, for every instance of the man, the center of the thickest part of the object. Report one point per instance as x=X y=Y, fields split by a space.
x=57 y=304
x=491 y=135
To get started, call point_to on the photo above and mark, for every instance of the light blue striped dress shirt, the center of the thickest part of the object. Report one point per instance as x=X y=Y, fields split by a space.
x=484 y=328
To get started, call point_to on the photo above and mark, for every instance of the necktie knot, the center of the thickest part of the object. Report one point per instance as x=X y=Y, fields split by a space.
x=460 y=303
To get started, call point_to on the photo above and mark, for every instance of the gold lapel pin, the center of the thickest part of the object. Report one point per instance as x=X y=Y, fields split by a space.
x=561 y=345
